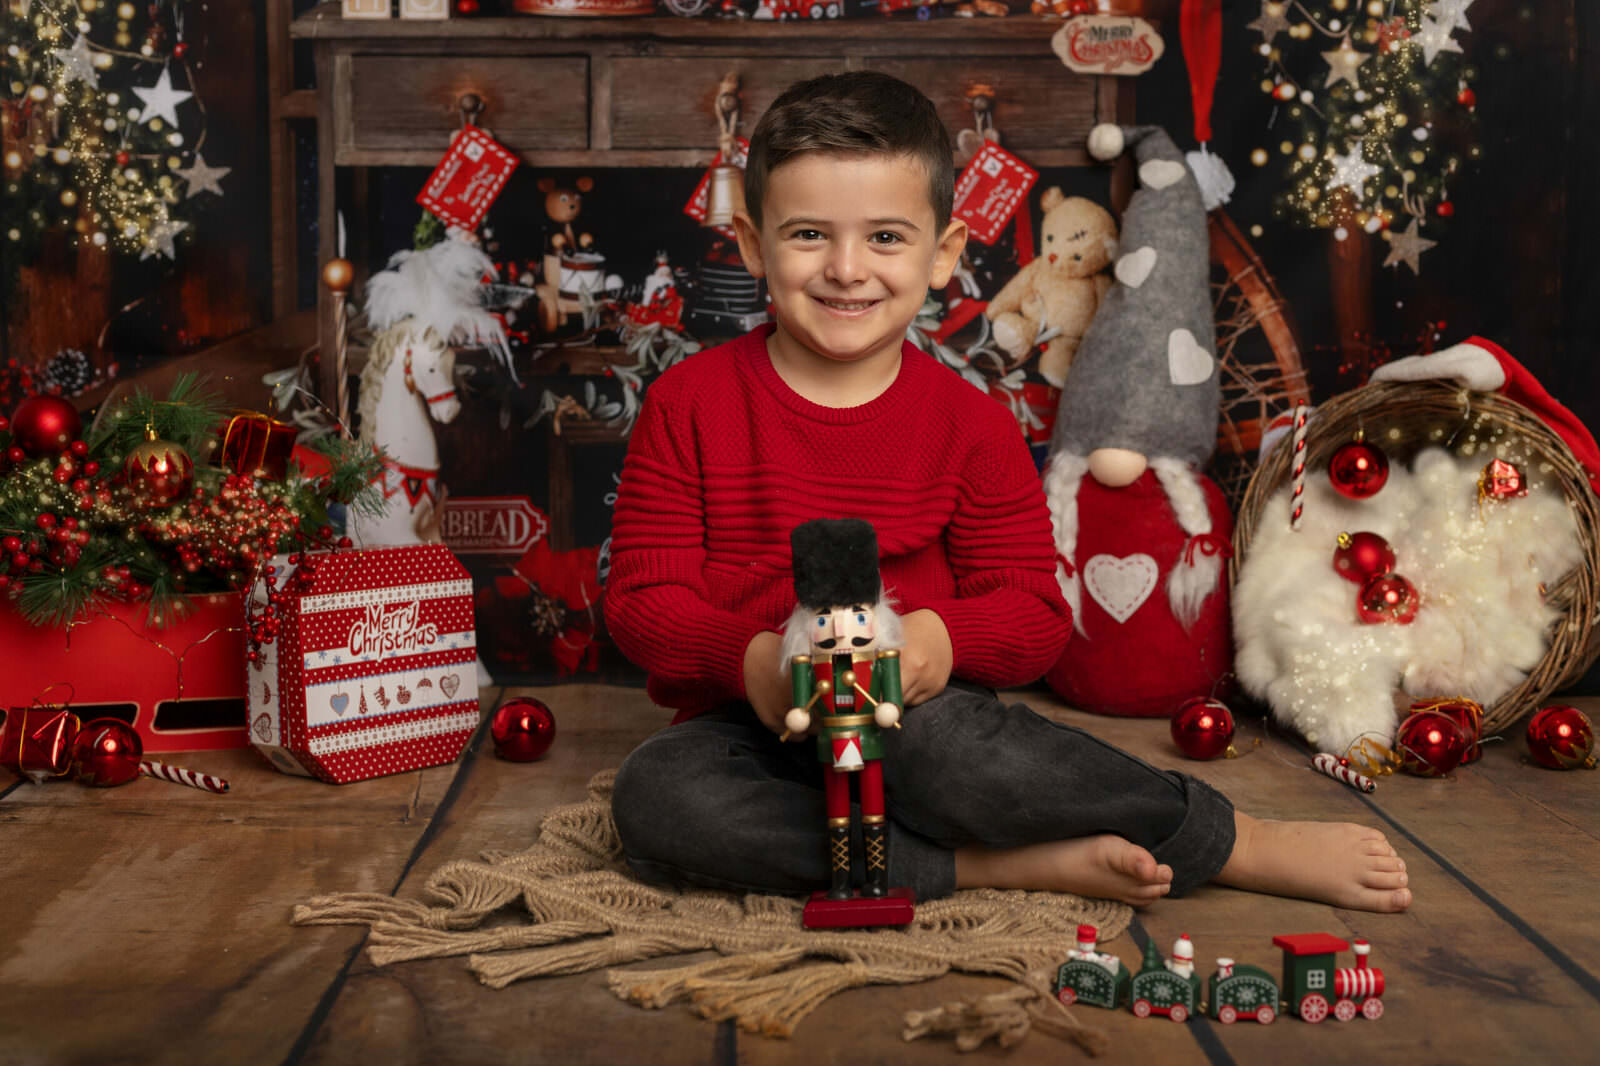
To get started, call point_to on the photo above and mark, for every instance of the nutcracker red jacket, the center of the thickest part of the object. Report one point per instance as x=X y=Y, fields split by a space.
x=726 y=459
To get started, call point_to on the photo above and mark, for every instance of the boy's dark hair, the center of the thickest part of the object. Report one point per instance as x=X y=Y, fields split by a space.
x=860 y=112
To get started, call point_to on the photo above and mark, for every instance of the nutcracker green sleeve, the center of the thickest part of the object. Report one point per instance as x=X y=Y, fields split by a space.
x=801 y=681
x=886 y=678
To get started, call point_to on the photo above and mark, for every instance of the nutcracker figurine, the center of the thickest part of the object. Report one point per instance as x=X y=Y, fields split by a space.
x=845 y=674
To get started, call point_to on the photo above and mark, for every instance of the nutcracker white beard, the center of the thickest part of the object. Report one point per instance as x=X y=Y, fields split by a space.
x=1477 y=570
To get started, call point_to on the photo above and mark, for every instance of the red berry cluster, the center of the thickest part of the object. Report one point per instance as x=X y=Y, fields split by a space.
x=226 y=532
x=262 y=618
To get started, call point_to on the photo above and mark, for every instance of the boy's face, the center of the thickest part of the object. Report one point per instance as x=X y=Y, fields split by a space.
x=849 y=251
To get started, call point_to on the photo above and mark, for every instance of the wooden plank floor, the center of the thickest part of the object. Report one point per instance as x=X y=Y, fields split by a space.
x=150 y=923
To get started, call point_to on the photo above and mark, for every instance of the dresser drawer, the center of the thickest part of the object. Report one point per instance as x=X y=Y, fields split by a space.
x=670 y=102
x=397 y=103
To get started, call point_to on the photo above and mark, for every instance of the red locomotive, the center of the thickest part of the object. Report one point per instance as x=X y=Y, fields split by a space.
x=1309 y=977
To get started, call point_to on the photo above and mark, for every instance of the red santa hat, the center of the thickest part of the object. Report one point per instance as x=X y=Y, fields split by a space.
x=1484 y=366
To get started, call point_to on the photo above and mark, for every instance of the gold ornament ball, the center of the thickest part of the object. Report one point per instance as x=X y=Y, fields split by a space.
x=337 y=274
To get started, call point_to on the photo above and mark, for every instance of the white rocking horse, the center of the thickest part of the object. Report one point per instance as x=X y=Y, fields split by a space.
x=421 y=305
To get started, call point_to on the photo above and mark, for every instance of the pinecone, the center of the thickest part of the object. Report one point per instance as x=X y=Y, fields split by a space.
x=546 y=614
x=69 y=370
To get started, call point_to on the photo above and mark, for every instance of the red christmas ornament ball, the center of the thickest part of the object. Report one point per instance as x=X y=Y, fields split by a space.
x=467 y=7
x=1445 y=209
x=1468 y=717
x=1202 y=728
x=45 y=425
x=1360 y=557
x=159 y=472
x=106 y=752
x=523 y=730
x=123 y=158
x=1358 y=470
x=1429 y=744
x=1561 y=738
x=1388 y=598
x=1467 y=99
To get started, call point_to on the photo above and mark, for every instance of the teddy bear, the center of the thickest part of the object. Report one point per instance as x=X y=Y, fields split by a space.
x=1061 y=288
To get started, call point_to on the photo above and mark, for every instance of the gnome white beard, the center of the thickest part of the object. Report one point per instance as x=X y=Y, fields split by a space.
x=1477 y=569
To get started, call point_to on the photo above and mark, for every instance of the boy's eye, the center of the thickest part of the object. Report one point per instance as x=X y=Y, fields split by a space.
x=807 y=235
x=886 y=237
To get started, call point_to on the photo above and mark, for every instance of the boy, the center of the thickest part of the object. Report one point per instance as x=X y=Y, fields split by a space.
x=830 y=413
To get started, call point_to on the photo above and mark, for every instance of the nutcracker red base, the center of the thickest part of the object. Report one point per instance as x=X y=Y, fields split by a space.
x=896 y=908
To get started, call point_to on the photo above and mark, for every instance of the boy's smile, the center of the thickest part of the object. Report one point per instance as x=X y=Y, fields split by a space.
x=849 y=249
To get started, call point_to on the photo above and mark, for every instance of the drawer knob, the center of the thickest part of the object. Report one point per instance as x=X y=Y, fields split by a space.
x=470 y=106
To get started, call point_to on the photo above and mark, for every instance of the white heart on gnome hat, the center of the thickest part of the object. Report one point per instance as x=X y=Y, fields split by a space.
x=1133 y=268
x=1120 y=585
x=1159 y=173
x=1187 y=362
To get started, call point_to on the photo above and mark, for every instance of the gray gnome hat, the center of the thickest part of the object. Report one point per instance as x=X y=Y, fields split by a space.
x=1145 y=376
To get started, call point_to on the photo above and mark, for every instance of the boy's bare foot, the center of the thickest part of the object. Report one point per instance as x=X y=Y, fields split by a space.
x=1346 y=865
x=1104 y=867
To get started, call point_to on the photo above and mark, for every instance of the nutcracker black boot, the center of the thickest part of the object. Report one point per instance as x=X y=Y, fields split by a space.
x=876 y=847
x=839 y=856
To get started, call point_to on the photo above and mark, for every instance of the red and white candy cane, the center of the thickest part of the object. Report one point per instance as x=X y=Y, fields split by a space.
x=178 y=775
x=1329 y=765
x=1297 y=501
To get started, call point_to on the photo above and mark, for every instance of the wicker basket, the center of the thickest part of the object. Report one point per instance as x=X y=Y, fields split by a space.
x=1402 y=419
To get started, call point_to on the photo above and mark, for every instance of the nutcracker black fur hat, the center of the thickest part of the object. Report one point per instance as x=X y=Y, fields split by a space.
x=835 y=561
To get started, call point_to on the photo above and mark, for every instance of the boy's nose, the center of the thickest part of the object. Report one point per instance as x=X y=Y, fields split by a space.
x=846 y=265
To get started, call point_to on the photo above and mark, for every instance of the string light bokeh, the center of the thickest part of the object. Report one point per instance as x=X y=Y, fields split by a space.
x=1374 y=114
x=101 y=117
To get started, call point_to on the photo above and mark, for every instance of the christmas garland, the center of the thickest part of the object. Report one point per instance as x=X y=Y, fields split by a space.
x=123 y=513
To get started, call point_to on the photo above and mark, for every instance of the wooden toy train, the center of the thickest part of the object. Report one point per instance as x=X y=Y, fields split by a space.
x=1170 y=987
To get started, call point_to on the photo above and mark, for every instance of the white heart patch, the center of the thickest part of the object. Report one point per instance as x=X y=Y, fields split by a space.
x=1159 y=173
x=1134 y=267
x=1187 y=362
x=1120 y=585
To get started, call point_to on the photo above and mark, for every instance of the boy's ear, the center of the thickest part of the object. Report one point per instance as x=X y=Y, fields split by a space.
x=951 y=244
x=744 y=227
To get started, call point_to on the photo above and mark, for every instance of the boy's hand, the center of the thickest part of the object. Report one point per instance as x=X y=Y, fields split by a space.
x=765 y=686
x=926 y=659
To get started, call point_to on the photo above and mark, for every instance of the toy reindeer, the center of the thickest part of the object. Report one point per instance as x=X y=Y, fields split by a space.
x=841 y=648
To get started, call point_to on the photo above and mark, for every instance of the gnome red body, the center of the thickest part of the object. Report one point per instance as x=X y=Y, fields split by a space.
x=1132 y=656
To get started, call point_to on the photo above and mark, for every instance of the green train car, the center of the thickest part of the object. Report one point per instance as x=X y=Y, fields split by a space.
x=1236 y=992
x=1091 y=977
x=1158 y=989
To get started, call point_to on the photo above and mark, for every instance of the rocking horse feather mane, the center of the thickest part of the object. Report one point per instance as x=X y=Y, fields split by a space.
x=440 y=288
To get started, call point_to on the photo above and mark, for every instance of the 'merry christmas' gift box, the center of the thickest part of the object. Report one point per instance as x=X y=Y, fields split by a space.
x=373 y=669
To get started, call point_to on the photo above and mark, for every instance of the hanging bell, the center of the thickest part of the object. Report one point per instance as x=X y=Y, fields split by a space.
x=726 y=195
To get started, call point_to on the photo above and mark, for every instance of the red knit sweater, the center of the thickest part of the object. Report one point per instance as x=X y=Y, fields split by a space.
x=726 y=459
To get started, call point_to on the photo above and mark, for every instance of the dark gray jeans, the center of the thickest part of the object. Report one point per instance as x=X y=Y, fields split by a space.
x=719 y=801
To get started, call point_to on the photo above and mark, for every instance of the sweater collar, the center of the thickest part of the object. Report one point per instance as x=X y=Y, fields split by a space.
x=908 y=383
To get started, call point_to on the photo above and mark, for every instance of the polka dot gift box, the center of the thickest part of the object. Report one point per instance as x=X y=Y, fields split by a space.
x=372 y=666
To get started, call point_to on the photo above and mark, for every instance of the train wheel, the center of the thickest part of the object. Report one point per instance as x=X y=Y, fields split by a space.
x=1266 y=1015
x=1372 y=1009
x=1067 y=995
x=1313 y=1008
x=1141 y=1008
x=1178 y=1013
x=1344 y=1010
x=1227 y=1015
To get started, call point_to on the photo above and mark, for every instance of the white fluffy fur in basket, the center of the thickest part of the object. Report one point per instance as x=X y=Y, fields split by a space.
x=1477 y=567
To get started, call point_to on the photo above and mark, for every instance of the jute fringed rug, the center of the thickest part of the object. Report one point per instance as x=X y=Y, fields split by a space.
x=584 y=912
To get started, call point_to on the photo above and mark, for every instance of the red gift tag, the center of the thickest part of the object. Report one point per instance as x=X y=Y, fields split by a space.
x=468 y=178
x=990 y=190
x=696 y=207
